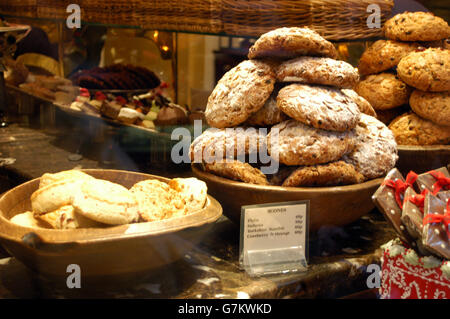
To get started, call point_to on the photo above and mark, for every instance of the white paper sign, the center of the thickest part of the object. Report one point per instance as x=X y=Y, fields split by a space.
x=274 y=237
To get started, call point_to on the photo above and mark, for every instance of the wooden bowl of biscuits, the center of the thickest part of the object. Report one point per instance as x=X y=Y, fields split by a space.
x=99 y=227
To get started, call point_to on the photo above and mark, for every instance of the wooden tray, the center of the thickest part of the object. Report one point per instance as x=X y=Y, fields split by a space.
x=422 y=159
x=329 y=206
x=101 y=253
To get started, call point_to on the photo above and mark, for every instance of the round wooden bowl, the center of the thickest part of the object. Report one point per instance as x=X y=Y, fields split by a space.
x=101 y=252
x=421 y=159
x=329 y=206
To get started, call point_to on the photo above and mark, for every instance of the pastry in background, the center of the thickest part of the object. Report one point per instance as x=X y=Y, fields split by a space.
x=433 y=106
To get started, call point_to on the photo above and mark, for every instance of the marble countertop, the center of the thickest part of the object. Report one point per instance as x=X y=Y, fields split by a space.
x=338 y=256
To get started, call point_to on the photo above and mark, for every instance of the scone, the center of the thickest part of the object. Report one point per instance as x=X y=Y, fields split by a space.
x=416 y=26
x=383 y=55
x=294 y=143
x=384 y=91
x=66 y=218
x=268 y=115
x=27 y=219
x=330 y=174
x=433 y=106
x=363 y=105
x=318 y=70
x=427 y=70
x=239 y=93
x=375 y=151
x=292 y=42
x=49 y=178
x=157 y=200
x=237 y=171
x=322 y=107
x=410 y=129
x=192 y=191
x=106 y=202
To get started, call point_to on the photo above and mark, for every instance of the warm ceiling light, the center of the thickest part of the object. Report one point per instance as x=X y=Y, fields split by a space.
x=165 y=48
x=155 y=34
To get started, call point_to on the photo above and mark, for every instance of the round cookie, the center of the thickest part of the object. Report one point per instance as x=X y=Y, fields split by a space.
x=238 y=171
x=427 y=70
x=216 y=144
x=293 y=143
x=363 y=105
x=318 y=70
x=268 y=115
x=239 y=93
x=433 y=106
x=375 y=151
x=286 y=43
x=410 y=129
x=330 y=174
x=383 y=91
x=416 y=26
x=106 y=202
x=383 y=55
x=319 y=106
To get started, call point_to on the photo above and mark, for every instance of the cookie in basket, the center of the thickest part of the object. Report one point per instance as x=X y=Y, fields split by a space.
x=375 y=151
x=427 y=70
x=192 y=191
x=329 y=174
x=410 y=129
x=49 y=178
x=363 y=105
x=416 y=26
x=433 y=106
x=319 y=106
x=295 y=143
x=239 y=93
x=157 y=200
x=66 y=218
x=318 y=70
x=292 y=42
x=383 y=55
x=106 y=202
x=384 y=91
x=238 y=171
x=268 y=115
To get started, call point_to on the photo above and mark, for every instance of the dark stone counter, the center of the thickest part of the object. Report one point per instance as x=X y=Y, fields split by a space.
x=338 y=257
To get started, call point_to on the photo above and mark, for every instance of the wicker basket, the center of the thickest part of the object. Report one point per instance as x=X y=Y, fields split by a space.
x=113 y=12
x=51 y=9
x=22 y=8
x=333 y=19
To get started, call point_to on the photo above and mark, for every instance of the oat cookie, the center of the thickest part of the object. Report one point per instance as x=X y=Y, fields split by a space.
x=157 y=200
x=375 y=151
x=238 y=171
x=318 y=70
x=295 y=143
x=363 y=105
x=288 y=43
x=239 y=93
x=384 y=91
x=280 y=176
x=330 y=174
x=319 y=106
x=416 y=26
x=192 y=191
x=427 y=70
x=106 y=202
x=410 y=129
x=383 y=55
x=268 y=115
x=433 y=106
x=216 y=144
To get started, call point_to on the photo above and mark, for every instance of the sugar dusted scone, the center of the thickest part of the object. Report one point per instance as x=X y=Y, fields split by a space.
x=363 y=105
x=375 y=151
x=66 y=218
x=157 y=200
x=49 y=178
x=27 y=219
x=192 y=191
x=288 y=43
x=106 y=202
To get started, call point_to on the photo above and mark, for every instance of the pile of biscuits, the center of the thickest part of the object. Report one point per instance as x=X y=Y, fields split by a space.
x=406 y=78
x=73 y=199
x=318 y=129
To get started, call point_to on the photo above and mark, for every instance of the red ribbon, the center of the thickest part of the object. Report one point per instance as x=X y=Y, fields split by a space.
x=400 y=187
x=100 y=96
x=438 y=218
x=442 y=182
x=419 y=199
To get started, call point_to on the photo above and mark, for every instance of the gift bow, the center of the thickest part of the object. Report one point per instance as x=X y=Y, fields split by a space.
x=400 y=186
x=438 y=218
x=441 y=181
x=419 y=199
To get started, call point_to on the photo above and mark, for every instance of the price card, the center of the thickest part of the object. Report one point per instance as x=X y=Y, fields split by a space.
x=274 y=238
